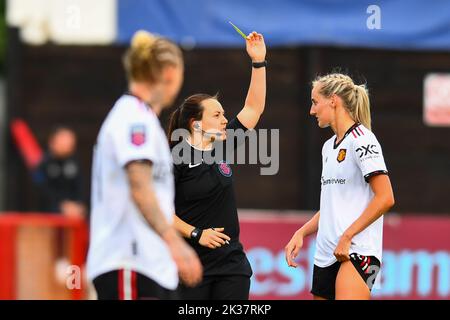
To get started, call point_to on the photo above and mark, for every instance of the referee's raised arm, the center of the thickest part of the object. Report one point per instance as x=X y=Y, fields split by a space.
x=256 y=95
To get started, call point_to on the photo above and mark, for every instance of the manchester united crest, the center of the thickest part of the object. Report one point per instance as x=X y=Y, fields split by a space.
x=341 y=155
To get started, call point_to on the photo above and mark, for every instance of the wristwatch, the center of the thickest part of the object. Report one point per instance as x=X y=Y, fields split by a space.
x=196 y=234
x=259 y=64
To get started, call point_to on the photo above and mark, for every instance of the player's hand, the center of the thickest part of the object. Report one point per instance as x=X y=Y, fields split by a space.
x=189 y=266
x=256 y=48
x=214 y=238
x=343 y=248
x=293 y=248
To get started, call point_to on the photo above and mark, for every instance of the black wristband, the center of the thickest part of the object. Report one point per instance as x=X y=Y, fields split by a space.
x=196 y=234
x=259 y=64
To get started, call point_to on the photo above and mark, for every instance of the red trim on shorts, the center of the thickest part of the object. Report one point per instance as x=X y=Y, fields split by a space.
x=133 y=285
x=368 y=263
x=120 y=285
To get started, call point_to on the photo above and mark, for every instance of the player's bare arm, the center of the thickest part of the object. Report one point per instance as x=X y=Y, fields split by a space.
x=140 y=177
x=295 y=244
x=382 y=201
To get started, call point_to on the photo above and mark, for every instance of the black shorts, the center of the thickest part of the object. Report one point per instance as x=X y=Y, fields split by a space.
x=324 y=279
x=231 y=287
x=126 y=284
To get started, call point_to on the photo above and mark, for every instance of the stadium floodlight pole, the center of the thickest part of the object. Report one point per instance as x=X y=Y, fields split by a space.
x=238 y=30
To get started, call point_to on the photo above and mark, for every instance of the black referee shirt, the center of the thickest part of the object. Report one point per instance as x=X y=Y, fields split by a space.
x=204 y=198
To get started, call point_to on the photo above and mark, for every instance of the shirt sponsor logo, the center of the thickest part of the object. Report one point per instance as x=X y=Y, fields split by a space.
x=138 y=135
x=225 y=169
x=370 y=149
x=332 y=181
x=341 y=155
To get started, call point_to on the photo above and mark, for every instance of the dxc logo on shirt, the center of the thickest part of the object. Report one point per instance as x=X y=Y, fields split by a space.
x=367 y=150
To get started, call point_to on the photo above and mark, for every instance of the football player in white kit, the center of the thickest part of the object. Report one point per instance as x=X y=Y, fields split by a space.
x=134 y=251
x=355 y=193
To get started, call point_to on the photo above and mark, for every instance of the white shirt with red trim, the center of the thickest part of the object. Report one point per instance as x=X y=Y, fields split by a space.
x=120 y=237
x=345 y=194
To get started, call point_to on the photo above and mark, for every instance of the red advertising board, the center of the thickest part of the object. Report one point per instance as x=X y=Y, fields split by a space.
x=416 y=256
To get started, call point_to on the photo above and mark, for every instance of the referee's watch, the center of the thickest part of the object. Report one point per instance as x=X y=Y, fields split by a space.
x=259 y=64
x=196 y=234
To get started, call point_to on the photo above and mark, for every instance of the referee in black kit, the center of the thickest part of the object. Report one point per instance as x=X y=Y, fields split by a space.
x=205 y=206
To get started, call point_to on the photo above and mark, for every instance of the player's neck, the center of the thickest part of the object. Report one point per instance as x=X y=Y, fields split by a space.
x=144 y=92
x=341 y=126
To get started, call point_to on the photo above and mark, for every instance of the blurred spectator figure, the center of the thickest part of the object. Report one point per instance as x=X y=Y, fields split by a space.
x=59 y=176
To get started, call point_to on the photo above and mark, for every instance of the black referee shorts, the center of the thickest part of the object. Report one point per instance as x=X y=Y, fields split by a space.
x=324 y=279
x=126 y=284
x=232 y=287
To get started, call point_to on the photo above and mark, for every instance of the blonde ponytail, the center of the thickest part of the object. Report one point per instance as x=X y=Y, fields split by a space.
x=148 y=54
x=355 y=97
x=142 y=42
x=362 y=108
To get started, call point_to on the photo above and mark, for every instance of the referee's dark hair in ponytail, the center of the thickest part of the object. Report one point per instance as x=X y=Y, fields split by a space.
x=190 y=110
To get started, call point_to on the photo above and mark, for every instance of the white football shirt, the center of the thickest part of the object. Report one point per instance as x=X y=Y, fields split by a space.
x=345 y=194
x=120 y=236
